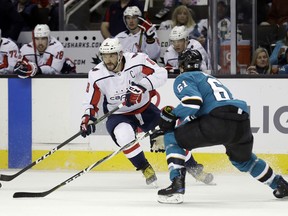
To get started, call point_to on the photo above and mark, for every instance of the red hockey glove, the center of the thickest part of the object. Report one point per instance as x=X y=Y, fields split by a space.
x=25 y=69
x=134 y=94
x=87 y=125
x=168 y=119
x=149 y=29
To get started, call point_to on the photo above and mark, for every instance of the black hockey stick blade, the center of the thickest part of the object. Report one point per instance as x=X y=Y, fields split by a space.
x=11 y=177
x=82 y=172
x=33 y=195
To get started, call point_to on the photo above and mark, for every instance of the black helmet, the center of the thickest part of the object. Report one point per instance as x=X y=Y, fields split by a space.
x=190 y=60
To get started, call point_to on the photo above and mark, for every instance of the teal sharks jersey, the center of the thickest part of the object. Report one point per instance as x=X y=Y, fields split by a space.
x=200 y=93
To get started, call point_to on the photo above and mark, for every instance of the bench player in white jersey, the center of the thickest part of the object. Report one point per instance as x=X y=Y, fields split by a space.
x=44 y=55
x=130 y=78
x=141 y=35
x=9 y=53
x=180 y=42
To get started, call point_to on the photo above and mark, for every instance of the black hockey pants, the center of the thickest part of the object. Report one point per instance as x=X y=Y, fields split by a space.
x=223 y=126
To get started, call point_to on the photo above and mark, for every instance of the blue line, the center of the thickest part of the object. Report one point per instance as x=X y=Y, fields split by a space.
x=19 y=122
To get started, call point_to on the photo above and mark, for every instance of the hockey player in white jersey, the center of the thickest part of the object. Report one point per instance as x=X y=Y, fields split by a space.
x=44 y=55
x=9 y=53
x=141 y=35
x=180 y=42
x=130 y=78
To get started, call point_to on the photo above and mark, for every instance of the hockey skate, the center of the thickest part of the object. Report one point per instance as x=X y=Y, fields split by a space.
x=174 y=193
x=198 y=173
x=282 y=188
x=150 y=175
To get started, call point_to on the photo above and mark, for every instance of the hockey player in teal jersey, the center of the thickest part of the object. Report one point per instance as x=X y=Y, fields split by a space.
x=210 y=116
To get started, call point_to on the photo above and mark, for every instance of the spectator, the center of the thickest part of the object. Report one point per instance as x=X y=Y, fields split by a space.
x=141 y=35
x=9 y=53
x=284 y=68
x=44 y=55
x=168 y=4
x=113 y=22
x=180 y=42
x=262 y=10
x=278 y=13
x=11 y=22
x=25 y=9
x=46 y=12
x=244 y=11
x=278 y=53
x=223 y=24
x=223 y=20
x=260 y=62
x=182 y=15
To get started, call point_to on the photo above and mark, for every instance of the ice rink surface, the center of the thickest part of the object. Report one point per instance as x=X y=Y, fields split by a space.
x=125 y=194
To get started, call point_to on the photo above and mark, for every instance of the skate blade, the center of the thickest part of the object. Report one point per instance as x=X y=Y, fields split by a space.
x=206 y=178
x=154 y=184
x=280 y=196
x=172 y=199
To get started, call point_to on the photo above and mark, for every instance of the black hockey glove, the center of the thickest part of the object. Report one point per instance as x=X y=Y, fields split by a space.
x=157 y=141
x=134 y=94
x=87 y=125
x=68 y=67
x=168 y=119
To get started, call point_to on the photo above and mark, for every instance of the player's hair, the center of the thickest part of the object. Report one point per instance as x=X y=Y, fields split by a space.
x=190 y=60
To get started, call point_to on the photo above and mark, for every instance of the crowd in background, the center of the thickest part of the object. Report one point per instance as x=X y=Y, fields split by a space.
x=24 y=15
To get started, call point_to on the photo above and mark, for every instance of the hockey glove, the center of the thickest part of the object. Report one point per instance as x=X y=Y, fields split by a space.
x=25 y=69
x=157 y=141
x=134 y=94
x=68 y=67
x=87 y=125
x=168 y=119
x=149 y=29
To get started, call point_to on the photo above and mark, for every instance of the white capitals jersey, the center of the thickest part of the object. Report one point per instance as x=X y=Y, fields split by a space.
x=9 y=54
x=171 y=56
x=137 y=43
x=138 y=68
x=51 y=61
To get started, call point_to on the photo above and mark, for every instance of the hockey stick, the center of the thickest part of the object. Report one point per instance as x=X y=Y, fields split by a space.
x=35 y=54
x=11 y=177
x=82 y=172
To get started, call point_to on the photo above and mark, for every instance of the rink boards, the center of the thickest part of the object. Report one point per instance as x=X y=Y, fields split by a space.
x=39 y=114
